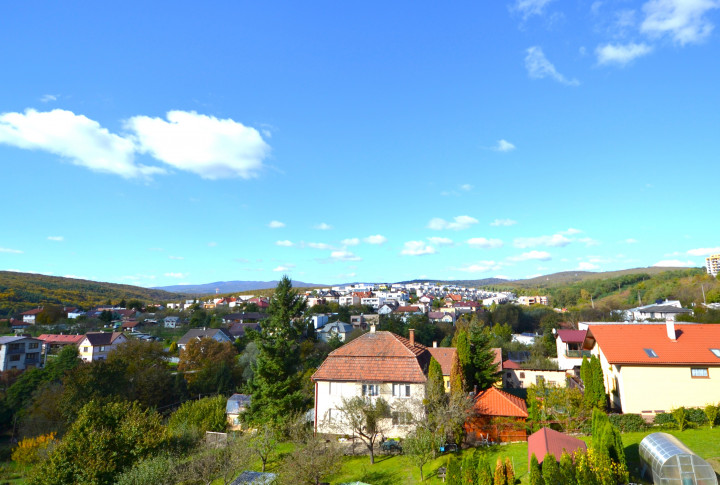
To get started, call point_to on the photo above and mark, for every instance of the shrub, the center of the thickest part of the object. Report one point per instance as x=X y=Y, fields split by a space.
x=628 y=423
x=499 y=478
x=550 y=469
x=536 y=477
x=711 y=413
x=207 y=414
x=681 y=417
x=33 y=450
x=664 y=420
x=509 y=471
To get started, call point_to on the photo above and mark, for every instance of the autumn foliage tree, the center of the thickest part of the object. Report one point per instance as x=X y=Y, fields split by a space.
x=209 y=366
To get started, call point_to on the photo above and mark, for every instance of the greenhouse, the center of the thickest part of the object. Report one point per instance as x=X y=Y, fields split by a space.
x=673 y=463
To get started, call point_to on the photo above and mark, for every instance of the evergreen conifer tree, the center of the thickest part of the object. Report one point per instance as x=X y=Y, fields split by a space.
x=550 y=469
x=499 y=477
x=536 y=476
x=567 y=469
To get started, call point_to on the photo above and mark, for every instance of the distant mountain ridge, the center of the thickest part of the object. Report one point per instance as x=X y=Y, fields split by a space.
x=223 y=287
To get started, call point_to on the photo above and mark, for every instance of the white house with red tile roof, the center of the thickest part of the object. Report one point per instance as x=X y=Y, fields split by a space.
x=655 y=367
x=569 y=344
x=376 y=364
x=30 y=315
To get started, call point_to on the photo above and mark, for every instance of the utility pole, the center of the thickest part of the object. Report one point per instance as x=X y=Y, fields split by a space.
x=703 y=290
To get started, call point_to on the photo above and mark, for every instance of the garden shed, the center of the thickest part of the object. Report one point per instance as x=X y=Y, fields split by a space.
x=672 y=463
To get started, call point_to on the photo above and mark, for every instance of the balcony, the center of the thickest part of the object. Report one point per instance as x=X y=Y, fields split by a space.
x=578 y=354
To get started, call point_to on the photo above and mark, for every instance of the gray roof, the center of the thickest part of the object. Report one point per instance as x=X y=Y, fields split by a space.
x=663 y=309
x=236 y=402
x=9 y=340
x=339 y=327
x=255 y=478
x=200 y=333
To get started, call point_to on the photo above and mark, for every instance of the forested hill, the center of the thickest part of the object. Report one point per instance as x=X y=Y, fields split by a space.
x=23 y=291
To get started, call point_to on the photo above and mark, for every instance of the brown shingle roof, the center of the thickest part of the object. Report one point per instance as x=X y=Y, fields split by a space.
x=626 y=344
x=494 y=402
x=550 y=441
x=444 y=356
x=376 y=357
x=102 y=338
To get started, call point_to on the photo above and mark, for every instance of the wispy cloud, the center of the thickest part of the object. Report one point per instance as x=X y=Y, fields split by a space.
x=481 y=242
x=56 y=238
x=276 y=224
x=588 y=241
x=539 y=67
x=376 y=239
x=504 y=146
x=480 y=267
x=284 y=243
x=631 y=241
x=458 y=223
x=466 y=187
x=440 y=241
x=621 y=54
x=344 y=255
x=46 y=98
x=585 y=266
x=11 y=251
x=178 y=258
x=323 y=226
x=555 y=240
x=532 y=255
x=283 y=268
x=704 y=251
x=528 y=8
x=683 y=20
x=674 y=263
x=212 y=244
x=417 y=248
x=176 y=275
x=351 y=241
x=316 y=245
x=503 y=222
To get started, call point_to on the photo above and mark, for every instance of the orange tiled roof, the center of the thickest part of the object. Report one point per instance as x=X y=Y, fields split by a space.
x=509 y=364
x=444 y=356
x=625 y=344
x=494 y=402
x=376 y=357
x=61 y=339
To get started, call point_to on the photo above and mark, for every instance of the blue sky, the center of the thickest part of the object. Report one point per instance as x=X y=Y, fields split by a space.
x=152 y=143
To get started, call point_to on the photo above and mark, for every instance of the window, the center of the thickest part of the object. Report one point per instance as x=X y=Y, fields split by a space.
x=15 y=357
x=17 y=346
x=651 y=353
x=522 y=375
x=699 y=372
x=32 y=356
x=102 y=348
x=716 y=352
x=33 y=345
x=370 y=389
x=85 y=349
x=401 y=418
x=401 y=390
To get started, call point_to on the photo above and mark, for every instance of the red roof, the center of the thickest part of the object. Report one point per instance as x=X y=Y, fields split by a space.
x=550 y=441
x=34 y=311
x=572 y=336
x=376 y=357
x=509 y=364
x=444 y=356
x=407 y=309
x=53 y=339
x=362 y=294
x=627 y=344
x=494 y=402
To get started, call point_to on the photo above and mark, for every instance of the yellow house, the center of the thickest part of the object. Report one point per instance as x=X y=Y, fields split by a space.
x=653 y=368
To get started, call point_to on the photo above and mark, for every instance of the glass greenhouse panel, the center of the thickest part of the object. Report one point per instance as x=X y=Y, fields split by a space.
x=672 y=463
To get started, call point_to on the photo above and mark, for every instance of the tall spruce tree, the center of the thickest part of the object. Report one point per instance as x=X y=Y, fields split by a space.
x=276 y=387
x=485 y=371
x=436 y=385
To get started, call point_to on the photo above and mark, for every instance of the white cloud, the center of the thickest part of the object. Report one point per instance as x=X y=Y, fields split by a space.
x=458 y=223
x=538 y=67
x=683 y=20
x=588 y=241
x=315 y=245
x=556 y=240
x=46 y=98
x=323 y=226
x=528 y=8
x=481 y=242
x=284 y=243
x=417 y=248
x=621 y=54
x=276 y=224
x=344 y=256
x=532 y=255
x=176 y=275
x=75 y=137
x=583 y=266
x=466 y=187
x=571 y=232
x=672 y=263
x=210 y=147
x=503 y=222
x=440 y=241
x=480 y=267
x=56 y=238
x=283 y=268
x=631 y=241
x=376 y=239
x=703 y=251
x=351 y=241
x=12 y=251
x=504 y=146
x=179 y=258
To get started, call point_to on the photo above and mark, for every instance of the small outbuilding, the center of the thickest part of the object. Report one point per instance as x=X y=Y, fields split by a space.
x=548 y=440
x=672 y=463
x=498 y=416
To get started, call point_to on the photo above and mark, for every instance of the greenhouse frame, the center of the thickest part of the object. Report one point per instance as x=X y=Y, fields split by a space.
x=673 y=463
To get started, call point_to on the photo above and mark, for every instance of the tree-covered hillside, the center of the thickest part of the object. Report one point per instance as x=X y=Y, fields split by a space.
x=23 y=291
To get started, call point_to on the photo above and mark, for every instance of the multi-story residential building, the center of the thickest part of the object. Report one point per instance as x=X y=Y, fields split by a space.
x=533 y=300
x=20 y=353
x=712 y=264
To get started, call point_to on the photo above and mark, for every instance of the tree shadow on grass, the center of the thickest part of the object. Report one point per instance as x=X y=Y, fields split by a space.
x=371 y=474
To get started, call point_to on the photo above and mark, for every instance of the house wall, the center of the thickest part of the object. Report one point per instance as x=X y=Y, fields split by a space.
x=329 y=398
x=565 y=362
x=94 y=353
x=524 y=378
x=22 y=362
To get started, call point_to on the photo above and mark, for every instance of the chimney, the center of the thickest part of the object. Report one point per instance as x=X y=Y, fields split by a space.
x=434 y=344
x=372 y=328
x=670 y=326
x=412 y=336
